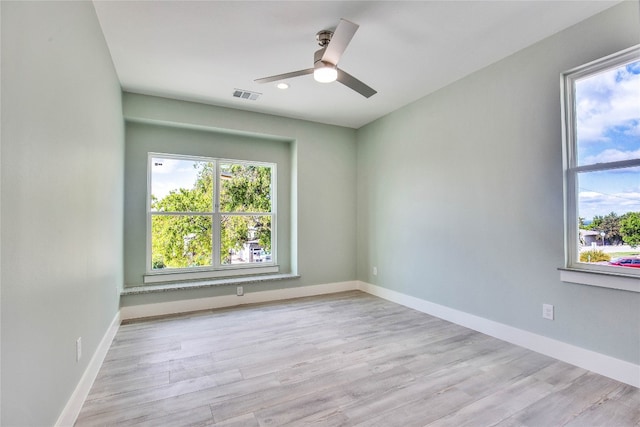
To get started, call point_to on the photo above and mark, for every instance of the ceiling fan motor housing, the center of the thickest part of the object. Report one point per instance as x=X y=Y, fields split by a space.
x=324 y=37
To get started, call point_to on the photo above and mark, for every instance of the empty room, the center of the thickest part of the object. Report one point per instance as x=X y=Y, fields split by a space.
x=289 y=213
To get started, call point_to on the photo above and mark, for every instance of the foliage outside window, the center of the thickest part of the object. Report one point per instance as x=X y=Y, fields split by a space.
x=207 y=213
x=602 y=164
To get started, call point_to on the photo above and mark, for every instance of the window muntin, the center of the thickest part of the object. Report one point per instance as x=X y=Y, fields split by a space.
x=207 y=213
x=602 y=161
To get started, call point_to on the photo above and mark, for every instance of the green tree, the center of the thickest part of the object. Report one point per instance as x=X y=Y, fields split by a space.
x=630 y=228
x=245 y=188
x=595 y=223
x=610 y=224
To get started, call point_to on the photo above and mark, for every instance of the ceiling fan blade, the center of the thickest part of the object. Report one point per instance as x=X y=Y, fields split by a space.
x=284 y=76
x=355 y=84
x=339 y=41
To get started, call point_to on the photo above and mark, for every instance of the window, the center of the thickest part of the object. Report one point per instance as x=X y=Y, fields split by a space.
x=601 y=120
x=207 y=214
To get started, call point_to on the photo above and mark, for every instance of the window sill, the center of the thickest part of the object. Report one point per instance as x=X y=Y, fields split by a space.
x=603 y=280
x=137 y=290
x=174 y=276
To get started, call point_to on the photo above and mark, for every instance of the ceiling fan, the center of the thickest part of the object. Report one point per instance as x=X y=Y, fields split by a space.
x=325 y=62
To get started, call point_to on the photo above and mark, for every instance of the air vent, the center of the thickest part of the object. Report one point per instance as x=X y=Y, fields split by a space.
x=245 y=94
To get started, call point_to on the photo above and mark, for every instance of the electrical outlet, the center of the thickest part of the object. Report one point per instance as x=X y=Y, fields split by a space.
x=375 y=271
x=239 y=291
x=78 y=349
x=547 y=311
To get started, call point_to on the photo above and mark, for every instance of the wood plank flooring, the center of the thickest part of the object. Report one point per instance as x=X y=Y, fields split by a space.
x=347 y=359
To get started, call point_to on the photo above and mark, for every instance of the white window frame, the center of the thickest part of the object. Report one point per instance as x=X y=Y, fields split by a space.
x=216 y=270
x=575 y=271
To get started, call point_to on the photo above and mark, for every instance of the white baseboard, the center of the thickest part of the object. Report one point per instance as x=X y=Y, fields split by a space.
x=608 y=366
x=185 y=306
x=74 y=405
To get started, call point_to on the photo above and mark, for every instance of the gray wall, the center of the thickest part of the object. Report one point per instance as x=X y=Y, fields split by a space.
x=319 y=188
x=62 y=200
x=460 y=196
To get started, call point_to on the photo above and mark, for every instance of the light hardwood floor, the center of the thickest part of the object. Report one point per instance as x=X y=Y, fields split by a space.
x=347 y=359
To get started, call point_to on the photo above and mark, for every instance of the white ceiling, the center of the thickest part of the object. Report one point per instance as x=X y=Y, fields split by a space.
x=203 y=50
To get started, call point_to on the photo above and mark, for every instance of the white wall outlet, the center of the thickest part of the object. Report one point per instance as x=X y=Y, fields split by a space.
x=375 y=271
x=547 y=311
x=78 y=349
x=239 y=291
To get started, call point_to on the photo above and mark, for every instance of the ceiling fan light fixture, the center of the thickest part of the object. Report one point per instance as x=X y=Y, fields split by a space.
x=325 y=73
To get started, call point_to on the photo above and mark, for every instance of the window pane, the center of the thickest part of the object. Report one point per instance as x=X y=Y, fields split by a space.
x=608 y=115
x=609 y=212
x=179 y=241
x=181 y=185
x=245 y=188
x=603 y=192
x=245 y=239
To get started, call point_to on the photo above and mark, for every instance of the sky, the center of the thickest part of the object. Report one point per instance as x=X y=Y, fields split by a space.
x=608 y=130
